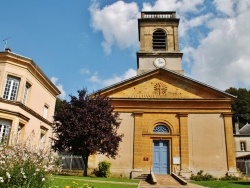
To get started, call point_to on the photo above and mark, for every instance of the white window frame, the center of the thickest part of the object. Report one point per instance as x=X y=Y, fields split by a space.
x=42 y=139
x=26 y=92
x=11 y=88
x=243 y=145
x=5 y=127
x=45 y=111
x=19 y=132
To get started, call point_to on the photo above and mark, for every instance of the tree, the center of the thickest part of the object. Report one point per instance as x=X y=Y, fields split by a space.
x=87 y=125
x=58 y=103
x=241 y=105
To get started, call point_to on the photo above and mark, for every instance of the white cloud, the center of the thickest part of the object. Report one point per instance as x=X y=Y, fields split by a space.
x=188 y=24
x=85 y=71
x=95 y=78
x=223 y=57
x=118 y=24
x=114 y=79
x=182 y=6
x=199 y=20
x=225 y=6
x=59 y=86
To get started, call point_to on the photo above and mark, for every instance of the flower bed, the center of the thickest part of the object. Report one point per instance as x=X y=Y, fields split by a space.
x=24 y=167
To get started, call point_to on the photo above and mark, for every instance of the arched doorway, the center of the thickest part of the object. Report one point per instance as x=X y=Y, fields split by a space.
x=161 y=152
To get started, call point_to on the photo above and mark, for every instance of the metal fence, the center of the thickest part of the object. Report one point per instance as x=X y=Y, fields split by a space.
x=72 y=162
x=243 y=166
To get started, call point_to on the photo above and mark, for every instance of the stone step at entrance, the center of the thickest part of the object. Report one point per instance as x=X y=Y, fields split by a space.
x=162 y=181
x=143 y=177
x=166 y=181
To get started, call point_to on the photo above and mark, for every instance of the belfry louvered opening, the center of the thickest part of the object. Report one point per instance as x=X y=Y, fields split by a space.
x=159 y=40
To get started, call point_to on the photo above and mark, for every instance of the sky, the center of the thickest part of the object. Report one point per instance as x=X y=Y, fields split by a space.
x=92 y=44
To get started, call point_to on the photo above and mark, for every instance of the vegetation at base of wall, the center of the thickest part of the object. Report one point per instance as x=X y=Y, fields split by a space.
x=230 y=178
x=208 y=177
x=103 y=169
x=25 y=167
x=200 y=176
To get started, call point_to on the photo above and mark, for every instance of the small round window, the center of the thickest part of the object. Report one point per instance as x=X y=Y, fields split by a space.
x=161 y=129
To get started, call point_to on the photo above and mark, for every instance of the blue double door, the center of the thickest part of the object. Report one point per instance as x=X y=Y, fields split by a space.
x=161 y=156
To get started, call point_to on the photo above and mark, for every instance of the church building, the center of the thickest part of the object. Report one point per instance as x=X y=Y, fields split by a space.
x=171 y=123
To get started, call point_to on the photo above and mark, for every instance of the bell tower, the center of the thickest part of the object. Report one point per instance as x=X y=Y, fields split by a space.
x=159 y=45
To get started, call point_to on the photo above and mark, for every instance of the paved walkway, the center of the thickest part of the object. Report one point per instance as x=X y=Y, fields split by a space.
x=167 y=181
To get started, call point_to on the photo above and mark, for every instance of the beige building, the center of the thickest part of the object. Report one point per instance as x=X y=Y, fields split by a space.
x=27 y=102
x=171 y=123
x=242 y=140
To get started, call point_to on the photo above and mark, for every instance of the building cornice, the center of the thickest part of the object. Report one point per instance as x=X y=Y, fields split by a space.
x=32 y=67
x=10 y=112
x=25 y=108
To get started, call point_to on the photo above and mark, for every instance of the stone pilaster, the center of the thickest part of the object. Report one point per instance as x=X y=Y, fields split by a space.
x=230 y=147
x=184 y=147
x=138 y=144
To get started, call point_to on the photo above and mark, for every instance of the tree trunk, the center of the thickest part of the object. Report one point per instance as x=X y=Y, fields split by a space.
x=85 y=158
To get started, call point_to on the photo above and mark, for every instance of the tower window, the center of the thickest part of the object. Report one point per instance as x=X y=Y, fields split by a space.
x=159 y=40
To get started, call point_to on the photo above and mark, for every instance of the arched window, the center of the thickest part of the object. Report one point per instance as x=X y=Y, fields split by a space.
x=159 y=40
x=161 y=129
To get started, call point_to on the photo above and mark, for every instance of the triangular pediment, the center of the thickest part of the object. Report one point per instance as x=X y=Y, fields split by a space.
x=163 y=84
x=154 y=88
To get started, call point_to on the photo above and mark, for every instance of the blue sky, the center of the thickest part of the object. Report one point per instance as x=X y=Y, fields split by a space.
x=92 y=44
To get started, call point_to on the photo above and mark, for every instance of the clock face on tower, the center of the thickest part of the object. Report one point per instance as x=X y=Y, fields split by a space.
x=160 y=62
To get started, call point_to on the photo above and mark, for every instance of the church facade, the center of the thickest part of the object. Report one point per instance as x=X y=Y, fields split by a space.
x=171 y=123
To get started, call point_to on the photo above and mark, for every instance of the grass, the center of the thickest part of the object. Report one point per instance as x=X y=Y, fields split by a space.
x=223 y=184
x=61 y=181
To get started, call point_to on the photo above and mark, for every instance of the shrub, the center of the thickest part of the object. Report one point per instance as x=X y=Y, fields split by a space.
x=230 y=178
x=23 y=167
x=103 y=169
x=202 y=177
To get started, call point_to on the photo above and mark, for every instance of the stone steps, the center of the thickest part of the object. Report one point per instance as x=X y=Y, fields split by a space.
x=162 y=181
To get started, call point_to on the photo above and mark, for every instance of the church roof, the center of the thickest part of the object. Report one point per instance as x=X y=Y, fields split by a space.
x=180 y=81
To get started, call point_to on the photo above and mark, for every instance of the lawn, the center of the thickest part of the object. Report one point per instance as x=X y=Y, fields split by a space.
x=61 y=181
x=223 y=184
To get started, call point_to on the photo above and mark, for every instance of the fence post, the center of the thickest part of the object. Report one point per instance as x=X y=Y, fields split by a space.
x=247 y=166
x=71 y=159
